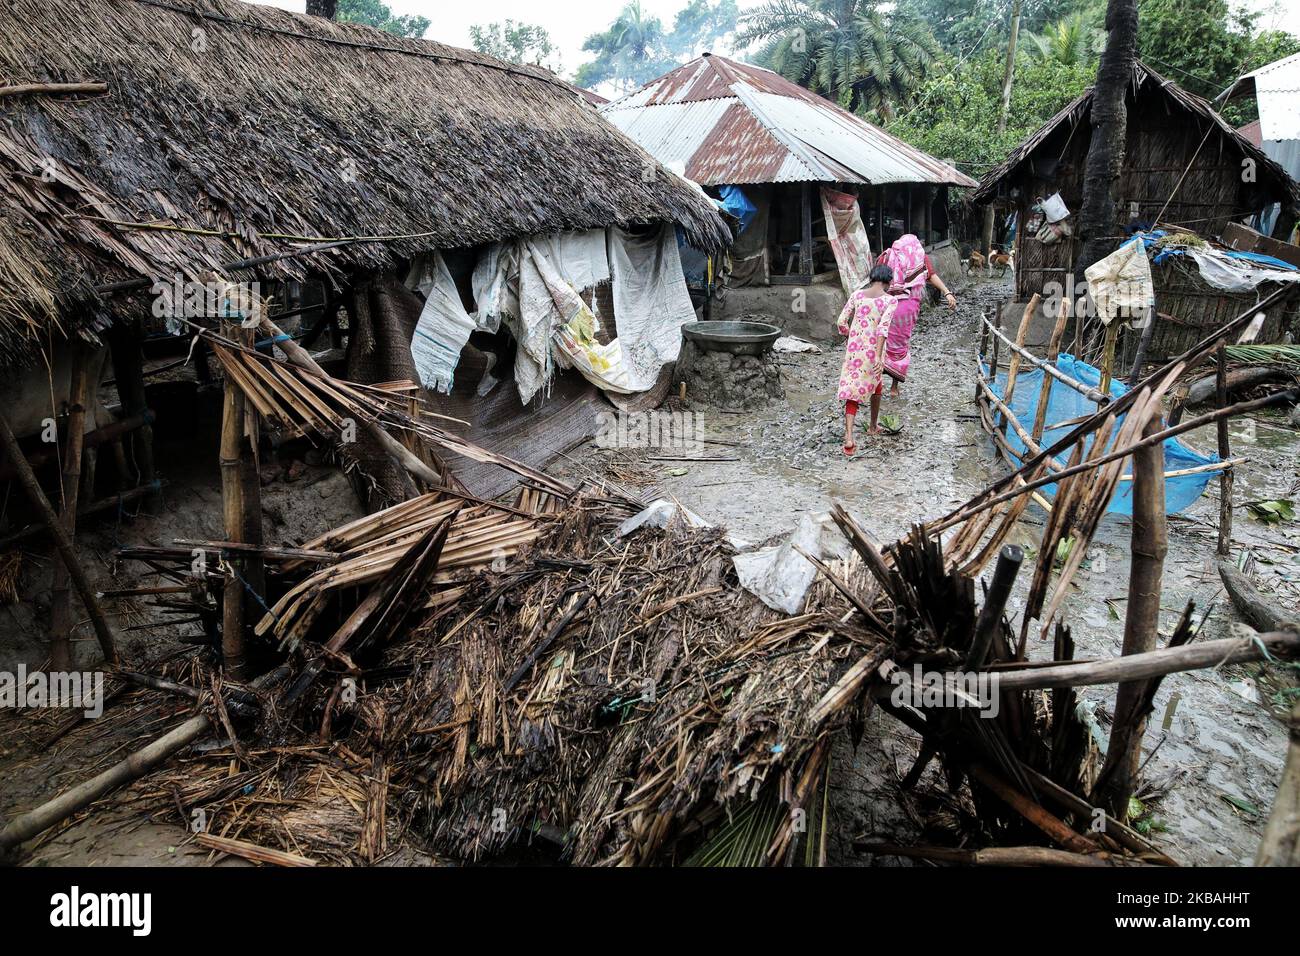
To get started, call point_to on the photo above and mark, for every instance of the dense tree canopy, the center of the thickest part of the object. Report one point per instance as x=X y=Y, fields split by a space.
x=515 y=42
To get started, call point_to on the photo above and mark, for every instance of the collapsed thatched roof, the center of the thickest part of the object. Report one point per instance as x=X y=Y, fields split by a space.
x=1183 y=105
x=266 y=128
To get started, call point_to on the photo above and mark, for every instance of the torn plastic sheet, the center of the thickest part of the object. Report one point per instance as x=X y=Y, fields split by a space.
x=780 y=576
x=660 y=513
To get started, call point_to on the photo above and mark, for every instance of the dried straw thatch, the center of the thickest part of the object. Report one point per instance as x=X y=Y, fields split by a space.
x=264 y=129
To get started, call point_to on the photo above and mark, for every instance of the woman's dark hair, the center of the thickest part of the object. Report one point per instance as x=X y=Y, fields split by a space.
x=882 y=274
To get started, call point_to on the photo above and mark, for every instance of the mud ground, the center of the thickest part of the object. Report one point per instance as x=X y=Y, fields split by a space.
x=1216 y=748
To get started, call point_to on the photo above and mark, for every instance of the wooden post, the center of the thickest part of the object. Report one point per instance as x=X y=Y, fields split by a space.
x=927 y=215
x=128 y=369
x=60 y=594
x=1149 y=546
x=27 y=478
x=242 y=512
x=1053 y=353
x=911 y=223
x=805 y=234
x=1225 y=453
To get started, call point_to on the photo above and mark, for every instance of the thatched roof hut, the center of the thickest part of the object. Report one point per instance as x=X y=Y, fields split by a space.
x=1184 y=166
x=236 y=132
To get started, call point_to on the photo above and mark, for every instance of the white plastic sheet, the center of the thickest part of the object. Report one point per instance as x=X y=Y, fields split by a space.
x=443 y=328
x=1121 y=283
x=780 y=576
x=651 y=302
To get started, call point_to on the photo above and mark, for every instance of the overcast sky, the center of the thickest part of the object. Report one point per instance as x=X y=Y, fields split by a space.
x=569 y=22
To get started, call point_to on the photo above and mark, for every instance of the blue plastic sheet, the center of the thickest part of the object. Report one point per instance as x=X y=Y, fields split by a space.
x=1064 y=404
x=736 y=203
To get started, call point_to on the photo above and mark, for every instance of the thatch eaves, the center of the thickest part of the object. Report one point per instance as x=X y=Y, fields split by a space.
x=269 y=130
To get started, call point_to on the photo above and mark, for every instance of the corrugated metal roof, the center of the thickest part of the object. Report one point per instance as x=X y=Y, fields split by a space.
x=729 y=122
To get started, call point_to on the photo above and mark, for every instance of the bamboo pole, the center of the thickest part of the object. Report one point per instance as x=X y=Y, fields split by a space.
x=61 y=540
x=1225 y=453
x=1290 y=396
x=1017 y=356
x=995 y=602
x=1150 y=544
x=52 y=89
x=1053 y=354
x=23 y=828
x=60 y=595
x=1108 y=355
x=241 y=519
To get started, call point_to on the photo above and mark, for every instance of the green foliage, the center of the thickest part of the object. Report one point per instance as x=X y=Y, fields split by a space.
x=1204 y=45
x=856 y=52
x=1074 y=40
x=372 y=13
x=637 y=48
x=515 y=42
x=956 y=115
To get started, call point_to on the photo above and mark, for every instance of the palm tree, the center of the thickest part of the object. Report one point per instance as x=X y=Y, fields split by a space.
x=1071 y=41
x=630 y=52
x=849 y=51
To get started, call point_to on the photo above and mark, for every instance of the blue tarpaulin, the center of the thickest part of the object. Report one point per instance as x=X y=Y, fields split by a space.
x=1064 y=404
x=736 y=203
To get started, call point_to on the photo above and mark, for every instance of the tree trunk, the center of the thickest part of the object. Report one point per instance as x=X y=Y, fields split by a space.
x=1008 y=76
x=322 y=8
x=1097 y=219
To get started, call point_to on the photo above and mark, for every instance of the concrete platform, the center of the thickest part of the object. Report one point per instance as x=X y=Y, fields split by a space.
x=806 y=311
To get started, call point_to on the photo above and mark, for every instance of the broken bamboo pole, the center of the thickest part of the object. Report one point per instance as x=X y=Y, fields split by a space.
x=995 y=601
x=1289 y=397
x=417 y=468
x=21 y=829
x=62 y=542
x=60 y=594
x=1225 y=453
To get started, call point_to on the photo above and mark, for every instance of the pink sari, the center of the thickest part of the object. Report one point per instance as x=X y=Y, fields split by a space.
x=907 y=258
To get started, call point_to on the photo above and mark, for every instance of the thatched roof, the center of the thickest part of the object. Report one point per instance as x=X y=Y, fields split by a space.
x=268 y=128
x=1183 y=105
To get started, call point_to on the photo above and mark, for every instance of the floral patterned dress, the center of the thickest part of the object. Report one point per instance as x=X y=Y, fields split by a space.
x=865 y=320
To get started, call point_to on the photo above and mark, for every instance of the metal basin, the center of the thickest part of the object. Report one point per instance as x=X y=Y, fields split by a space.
x=738 y=338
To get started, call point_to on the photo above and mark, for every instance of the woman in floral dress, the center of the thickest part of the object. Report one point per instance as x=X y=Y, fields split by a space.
x=865 y=320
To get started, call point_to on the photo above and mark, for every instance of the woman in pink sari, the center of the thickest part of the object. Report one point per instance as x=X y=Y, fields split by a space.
x=912 y=272
x=865 y=320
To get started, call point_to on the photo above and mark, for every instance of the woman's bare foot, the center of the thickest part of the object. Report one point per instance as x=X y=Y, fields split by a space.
x=873 y=430
x=894 y=391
